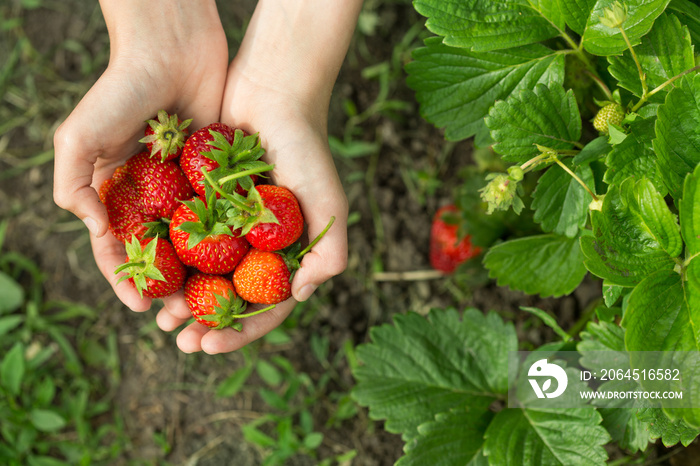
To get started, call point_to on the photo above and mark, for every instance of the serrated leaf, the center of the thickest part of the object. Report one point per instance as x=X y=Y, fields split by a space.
x=560 y=202
x=635 y=234
x=677 y=142
x=689 y=212
x=455 y=437
x=542 y=436
x=547 y=115
x=663 y=53
x=485 y=25
x=689 y=15
x=414 y=369
x=576 y=13
x=670 y=432
x=456 y=87
x=593 y=151
x=548 y=265
x=599 y=39
x=635 y=156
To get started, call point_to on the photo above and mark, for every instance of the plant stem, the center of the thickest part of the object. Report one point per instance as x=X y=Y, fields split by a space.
x=642 y=76
x=224 y=194
x=254 y=313
x=316 y=240
x=661 y=86
x=252 y=171
x=576 y=177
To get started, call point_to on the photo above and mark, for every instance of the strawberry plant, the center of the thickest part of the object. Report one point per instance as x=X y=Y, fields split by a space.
x=592 y=107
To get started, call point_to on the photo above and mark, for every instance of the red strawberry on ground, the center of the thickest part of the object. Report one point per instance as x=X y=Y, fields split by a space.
x=214 y=303
x=265 y=277
x=124 y=207
x=165 y=136
x=223 y=151
x=160 y=185
x=447 y=251
x=152 y=267
x=203 y=241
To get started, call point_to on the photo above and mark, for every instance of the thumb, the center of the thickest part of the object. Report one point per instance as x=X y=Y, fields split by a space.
x=329 y=257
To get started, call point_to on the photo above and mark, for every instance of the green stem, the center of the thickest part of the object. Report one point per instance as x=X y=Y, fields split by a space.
x=661 y=86
x=316 y=240
x=252 y=171
x=642 y=76
x=254 y=313
x=687 y=261
x=576 y=177
x=225 y=195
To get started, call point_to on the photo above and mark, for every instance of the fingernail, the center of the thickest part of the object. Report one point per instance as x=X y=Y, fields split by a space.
x=306 y=292
x=91 y=225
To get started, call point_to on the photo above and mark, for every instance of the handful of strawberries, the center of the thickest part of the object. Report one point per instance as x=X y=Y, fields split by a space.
x=192 y=214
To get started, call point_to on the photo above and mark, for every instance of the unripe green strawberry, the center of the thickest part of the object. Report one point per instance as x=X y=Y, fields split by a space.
x=612 y=113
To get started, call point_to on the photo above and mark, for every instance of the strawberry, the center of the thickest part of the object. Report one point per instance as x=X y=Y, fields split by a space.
x=224 y=152
x=203 y=241
x=165 y=137
x=265 y=277
x=124 y=207
x=612 y=113
x=289 y=225
x=213 y=302
x=447 y=251
x=152 y=267
x=160 y=185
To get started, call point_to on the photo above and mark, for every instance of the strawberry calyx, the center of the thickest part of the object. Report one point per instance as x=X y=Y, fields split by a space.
x=140 y=263
x=211 y=219
x=237 y=161
x=168 y=135
x=293 y=255
x=230 y=308
x=158 y=228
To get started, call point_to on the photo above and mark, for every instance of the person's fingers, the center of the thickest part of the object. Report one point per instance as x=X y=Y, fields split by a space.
x=189 y=340
x=228 y=339
x=109 y=254
x=174 y=312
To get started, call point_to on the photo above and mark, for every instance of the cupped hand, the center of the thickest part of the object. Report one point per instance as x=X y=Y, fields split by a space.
x=172 y=59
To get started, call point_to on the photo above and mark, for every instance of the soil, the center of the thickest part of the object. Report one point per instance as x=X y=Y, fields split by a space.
x=167 y=395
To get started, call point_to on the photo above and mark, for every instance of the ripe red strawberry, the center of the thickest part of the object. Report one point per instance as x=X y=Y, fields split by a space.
x=289 y=225
x=124 y=207
x=152 y=267
x=447 y=251
x=160 y=185
x=165 y=136
x=223 y=151
x=265 y=277
x=214 y=303
x=202 y=241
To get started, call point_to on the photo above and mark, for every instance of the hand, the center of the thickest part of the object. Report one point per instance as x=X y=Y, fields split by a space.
x=173 y=59
x=280 y=87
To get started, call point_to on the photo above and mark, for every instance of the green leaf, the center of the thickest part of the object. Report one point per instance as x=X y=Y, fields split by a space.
x=547 y=115
x=670 y=432
x=657 y=317
x=664 y=53
x=677 y=142
x=11 y=294
x=269 y=373
x=635 y=234
x=548 y=265
x=599 y=39
x=576 y=13
x=414 y=369
x=255 y=436
x=635 y=156
x=456 y=87
x=233 y=383
x=560 y=202
x=553 y=436
x=593 y=151
x=455 y=437
x=689 y=15
x=313 y=440
x=484 y=25
x=46 y=420
x=689 y=211
x=12 y=369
